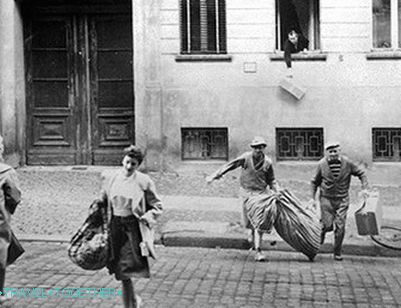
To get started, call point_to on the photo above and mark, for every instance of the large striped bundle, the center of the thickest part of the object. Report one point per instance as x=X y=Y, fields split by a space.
x=261 y=211
x=297 y=225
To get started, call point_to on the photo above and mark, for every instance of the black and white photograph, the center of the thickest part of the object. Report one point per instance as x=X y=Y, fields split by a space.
x=200 y=153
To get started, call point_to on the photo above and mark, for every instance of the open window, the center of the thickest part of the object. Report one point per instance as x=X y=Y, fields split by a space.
x=203 y=26
x=386 y=24
x=301 y=16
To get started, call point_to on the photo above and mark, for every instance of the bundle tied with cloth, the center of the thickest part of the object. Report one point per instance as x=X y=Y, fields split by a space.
x=297 y=224
x=89 y=247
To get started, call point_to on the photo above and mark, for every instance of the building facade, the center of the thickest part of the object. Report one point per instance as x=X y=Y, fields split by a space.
x=195 y=80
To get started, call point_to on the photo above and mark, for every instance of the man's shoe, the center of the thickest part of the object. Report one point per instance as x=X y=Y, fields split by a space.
x=138 y=301
x=338 y=258
x=260 y=257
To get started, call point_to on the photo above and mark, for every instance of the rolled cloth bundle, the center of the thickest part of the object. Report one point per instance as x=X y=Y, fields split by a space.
x=297 y=225
x=262 y=211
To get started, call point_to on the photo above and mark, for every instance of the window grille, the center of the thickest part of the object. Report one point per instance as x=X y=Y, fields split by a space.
x=299 y=143
x=204 y=143
x=203 y=27
x=386 y=144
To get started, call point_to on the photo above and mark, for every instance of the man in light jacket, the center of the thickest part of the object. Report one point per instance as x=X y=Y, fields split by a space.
x=256 y=175
x=333 y=177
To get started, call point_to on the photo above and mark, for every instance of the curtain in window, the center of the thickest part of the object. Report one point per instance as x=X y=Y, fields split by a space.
x=203 y=26
x=381 y=23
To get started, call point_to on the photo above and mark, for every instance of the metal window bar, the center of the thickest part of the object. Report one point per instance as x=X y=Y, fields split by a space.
x=386 y=144
x=299 y=143
x=217 y=26
x=204 y=143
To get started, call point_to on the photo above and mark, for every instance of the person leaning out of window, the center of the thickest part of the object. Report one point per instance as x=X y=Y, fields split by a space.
x=131 y=196
x=295 y=43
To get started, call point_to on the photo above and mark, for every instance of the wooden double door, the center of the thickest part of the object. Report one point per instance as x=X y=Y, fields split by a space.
x=80 y=95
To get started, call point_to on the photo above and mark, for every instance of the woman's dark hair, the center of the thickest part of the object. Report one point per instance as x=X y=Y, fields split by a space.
x=134 y=151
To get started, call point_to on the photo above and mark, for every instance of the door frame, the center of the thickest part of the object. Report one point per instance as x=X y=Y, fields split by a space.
x=81 y=82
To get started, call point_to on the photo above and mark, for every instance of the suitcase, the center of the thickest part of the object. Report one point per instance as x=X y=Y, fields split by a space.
x=293 y=88
x=369 y=216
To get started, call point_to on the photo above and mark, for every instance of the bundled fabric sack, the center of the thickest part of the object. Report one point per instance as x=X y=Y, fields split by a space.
x=262 y=211
x=89 y=247
x=295 y=223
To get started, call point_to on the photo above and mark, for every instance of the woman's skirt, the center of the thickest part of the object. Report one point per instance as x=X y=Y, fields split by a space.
x=127 y=259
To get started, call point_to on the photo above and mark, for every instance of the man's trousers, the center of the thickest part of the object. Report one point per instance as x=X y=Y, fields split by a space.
x=334 y=215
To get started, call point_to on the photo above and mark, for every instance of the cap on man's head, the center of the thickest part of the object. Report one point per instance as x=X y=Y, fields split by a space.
x=331 y=145
x=258 y=141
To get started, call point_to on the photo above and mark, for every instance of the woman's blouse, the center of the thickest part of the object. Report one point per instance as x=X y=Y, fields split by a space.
x=127 y=194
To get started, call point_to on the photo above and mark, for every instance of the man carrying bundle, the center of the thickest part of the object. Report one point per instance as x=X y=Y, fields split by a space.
x=333 y=177
x=257 y=173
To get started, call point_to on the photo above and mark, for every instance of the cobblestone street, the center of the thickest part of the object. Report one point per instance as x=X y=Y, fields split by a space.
x=196 y=277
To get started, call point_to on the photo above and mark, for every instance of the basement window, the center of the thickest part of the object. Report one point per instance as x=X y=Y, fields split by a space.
x=204 y=143
x=386 y=144
x=299 y=143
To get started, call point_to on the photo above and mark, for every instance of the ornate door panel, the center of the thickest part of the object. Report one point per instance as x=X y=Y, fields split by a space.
x=80 y=99
x=112 y=93
x=51 y=91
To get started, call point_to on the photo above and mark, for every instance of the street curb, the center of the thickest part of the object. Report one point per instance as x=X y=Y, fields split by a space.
x=207 y=240
x=210 y=240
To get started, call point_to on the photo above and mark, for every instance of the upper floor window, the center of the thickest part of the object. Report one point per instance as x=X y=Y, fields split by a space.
x=301 y=16
x=386 y=23
x=203 y=27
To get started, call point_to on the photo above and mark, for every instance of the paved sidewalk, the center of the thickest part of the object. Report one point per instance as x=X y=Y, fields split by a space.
x=230 y=234
x=56 y=200
x=220 y=278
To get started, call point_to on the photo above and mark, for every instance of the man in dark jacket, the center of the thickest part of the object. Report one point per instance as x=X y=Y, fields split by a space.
x=333 y=177
x=294 y=44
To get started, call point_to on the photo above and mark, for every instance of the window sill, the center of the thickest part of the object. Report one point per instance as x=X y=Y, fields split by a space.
x=303 y=56
x=384 y=55
x=203 y=58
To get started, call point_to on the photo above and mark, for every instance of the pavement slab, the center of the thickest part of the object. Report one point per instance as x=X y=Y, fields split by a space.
x=199 y=277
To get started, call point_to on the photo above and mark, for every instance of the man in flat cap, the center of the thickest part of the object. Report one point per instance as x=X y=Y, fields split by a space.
x=257 y=173
x=333 y=177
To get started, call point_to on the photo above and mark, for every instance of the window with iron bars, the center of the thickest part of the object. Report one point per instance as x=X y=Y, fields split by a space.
x=386 y=144
x=204 y=143
x=299 y=143
x=203 y=27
